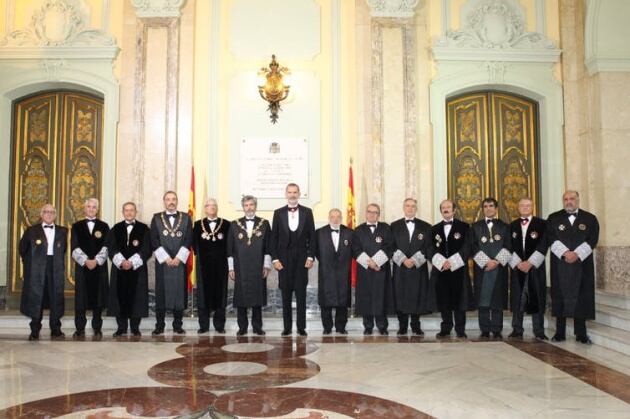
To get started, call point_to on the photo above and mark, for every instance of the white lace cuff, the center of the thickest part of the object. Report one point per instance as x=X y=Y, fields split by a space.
x=101 y=256
x=481 y=259
x=183 y=254
x=118 y=259
x=558 y=248
x=418 y=259
x=79 y=256
x=380 y=258
x=503 y=257
x=583 y=251
x=363 y=259
x=536 y=259
x=398 y=257
x=456 y=262
x=136 y=261
x=160 y=255
x=514 y=260
x=438 y=261
x=266 y=262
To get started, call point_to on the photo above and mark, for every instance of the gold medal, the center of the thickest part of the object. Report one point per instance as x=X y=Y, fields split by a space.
x=173 y=234
x=561 y=227
x=533 y=235
x=135 y=243
x=165 y=232
x=483 y=239
x=420 y=236
x=98 y=234
x=497 y=237
x=582 y=227
x=457 y=236
x=205 y=236
x=514 y=235
x=378 y=239
x=179 y=234
x=38 y=241
x=240 y=236
x=220 y=236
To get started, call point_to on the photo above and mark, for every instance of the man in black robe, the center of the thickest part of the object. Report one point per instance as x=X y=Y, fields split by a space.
x=372 y=247
x=413 y=293
x=292 y=256
x=333 y=250
x=91 y=283
x=528 y=290
x=249 y=263
x=573 y=234
x=491 y=252
x=210 y=236
x=171 y=239
x=451 y=247
x=129 y=245
x=43 y=252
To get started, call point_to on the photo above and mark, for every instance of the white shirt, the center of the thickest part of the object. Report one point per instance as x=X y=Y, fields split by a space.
x=489 y=224
x=447 y=228
x=373 y=227
x=524 y=229
x=212 y=223
x=410 y=226
x=572 y=217
x=90 y=224
x=249 y=225
x=294 y=218
x=50 y=238
x=171 y=217
x=335 y=237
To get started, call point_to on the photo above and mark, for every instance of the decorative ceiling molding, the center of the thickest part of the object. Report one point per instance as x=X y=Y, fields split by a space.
x=393 y=8
x=158 y=8
x=494 y=30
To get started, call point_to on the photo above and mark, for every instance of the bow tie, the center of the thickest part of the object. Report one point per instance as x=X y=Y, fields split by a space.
x=448 y=222
x=335 y=230
x=371 y=225
x=130 y=223
x=490 y=220
x=249 y=219
x=292 y=209
x=409 y=221
x=90 y=220
x=214 y=220
x=48 y=226
x=572 y=213
x=524 y=220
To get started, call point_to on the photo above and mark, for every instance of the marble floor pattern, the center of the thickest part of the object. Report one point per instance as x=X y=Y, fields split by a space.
x=222 y=376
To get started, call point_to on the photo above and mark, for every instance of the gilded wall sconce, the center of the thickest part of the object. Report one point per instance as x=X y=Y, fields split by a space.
x=274 y=90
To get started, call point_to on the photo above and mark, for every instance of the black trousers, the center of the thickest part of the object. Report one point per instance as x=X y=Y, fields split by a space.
x=490 y=320
x=538 y=322
x=381 y=322
x=403 y=321
x=579 y=327
x=47 y=300
x=160 y=319
x=241 y=318
x=218 y=319
x=287 y=309
x=80 y=319
x=124 y=323
x=458 y=317
x=341 y=318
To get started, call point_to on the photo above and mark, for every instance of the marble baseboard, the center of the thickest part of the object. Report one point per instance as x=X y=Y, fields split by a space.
x=612 y=272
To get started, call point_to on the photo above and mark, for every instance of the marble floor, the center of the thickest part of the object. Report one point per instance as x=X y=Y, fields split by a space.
x=222 y=376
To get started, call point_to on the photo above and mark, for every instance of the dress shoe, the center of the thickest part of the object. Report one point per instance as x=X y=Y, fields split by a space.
x=285 y=333
x=484 y=335
x=342 y=332
x=383 y=332
x=401 y=332
x=157 y=331
x=119 y=333
x=221 y=331
x=259 y=332
x=326 y=332
x=136 y=333
x=542 y=337
x=462 y=335
x=202 y=331
x=33 y=336
x=558 y=338
x=241 y=332
x=367 y=332
x=179 y=331
x=302 y=332
x=78 y=334
x=98 y=334
x=515 y=335
x=57 y=334
x=418 y=332
x=497 y=335
x=584 y=339
x=443 y=335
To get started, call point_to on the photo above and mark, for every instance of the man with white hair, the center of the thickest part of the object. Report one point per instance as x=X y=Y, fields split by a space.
x=91 y=283
x=43 y=252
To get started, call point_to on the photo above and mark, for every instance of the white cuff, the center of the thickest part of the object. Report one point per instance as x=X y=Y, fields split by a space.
x=267 y=262
x=118 y=259
x=456 y=262
x=558 y=248
x=583 y=251
x=275 y=260
x=363 y=259
x=418 y=259
x=380 y=258
x=101 y=256
x=230 y=263
x=160 y=255
x=503 y=257
x=481 y=259
x=438 y=260
x=514 y=260
x=310 y=258
x=79 y=256
x=136 y=261
x=398 y=257
x=536 y=259
x=183 y=254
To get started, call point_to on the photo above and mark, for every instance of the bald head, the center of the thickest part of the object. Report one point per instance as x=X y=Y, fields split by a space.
x=571 y=200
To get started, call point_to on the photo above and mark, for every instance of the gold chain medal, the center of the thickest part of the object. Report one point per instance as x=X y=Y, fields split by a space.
x=213 y=233
x=171 y=231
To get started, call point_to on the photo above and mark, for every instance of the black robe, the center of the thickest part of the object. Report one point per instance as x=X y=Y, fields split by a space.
x=491 y=287
x=129 y=290
x=33 y=249
x=374 y=289
x=334 y=267
x=414 y=294
x=90 y=286
x=453 y=289
x=250 y=288
x=528 y=291
x=171 y=284
x=573 y=284
x=211 y=263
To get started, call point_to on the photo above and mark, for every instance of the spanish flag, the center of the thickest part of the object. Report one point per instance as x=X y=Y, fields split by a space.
x=190 y=265
x=351 y=220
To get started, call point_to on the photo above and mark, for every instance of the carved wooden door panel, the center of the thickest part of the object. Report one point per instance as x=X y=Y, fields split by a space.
x=492 y=151
x=57 y=159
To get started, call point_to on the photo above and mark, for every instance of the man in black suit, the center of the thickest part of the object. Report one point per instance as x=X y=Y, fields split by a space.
x=413 y=292
x=333 y=250
x=292 y=236
x=89 y=252
x=451 y=247
x=529 y=277
x=573 y=234
x=43 y=252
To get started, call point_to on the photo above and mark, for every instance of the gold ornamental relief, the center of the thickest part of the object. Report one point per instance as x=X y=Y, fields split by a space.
x=515 y=186
x=512 y=120
x=35 y=189
x=466 y=126
x=38 y=126
x=468 y=189
x=82 y=183
x=85 y=126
